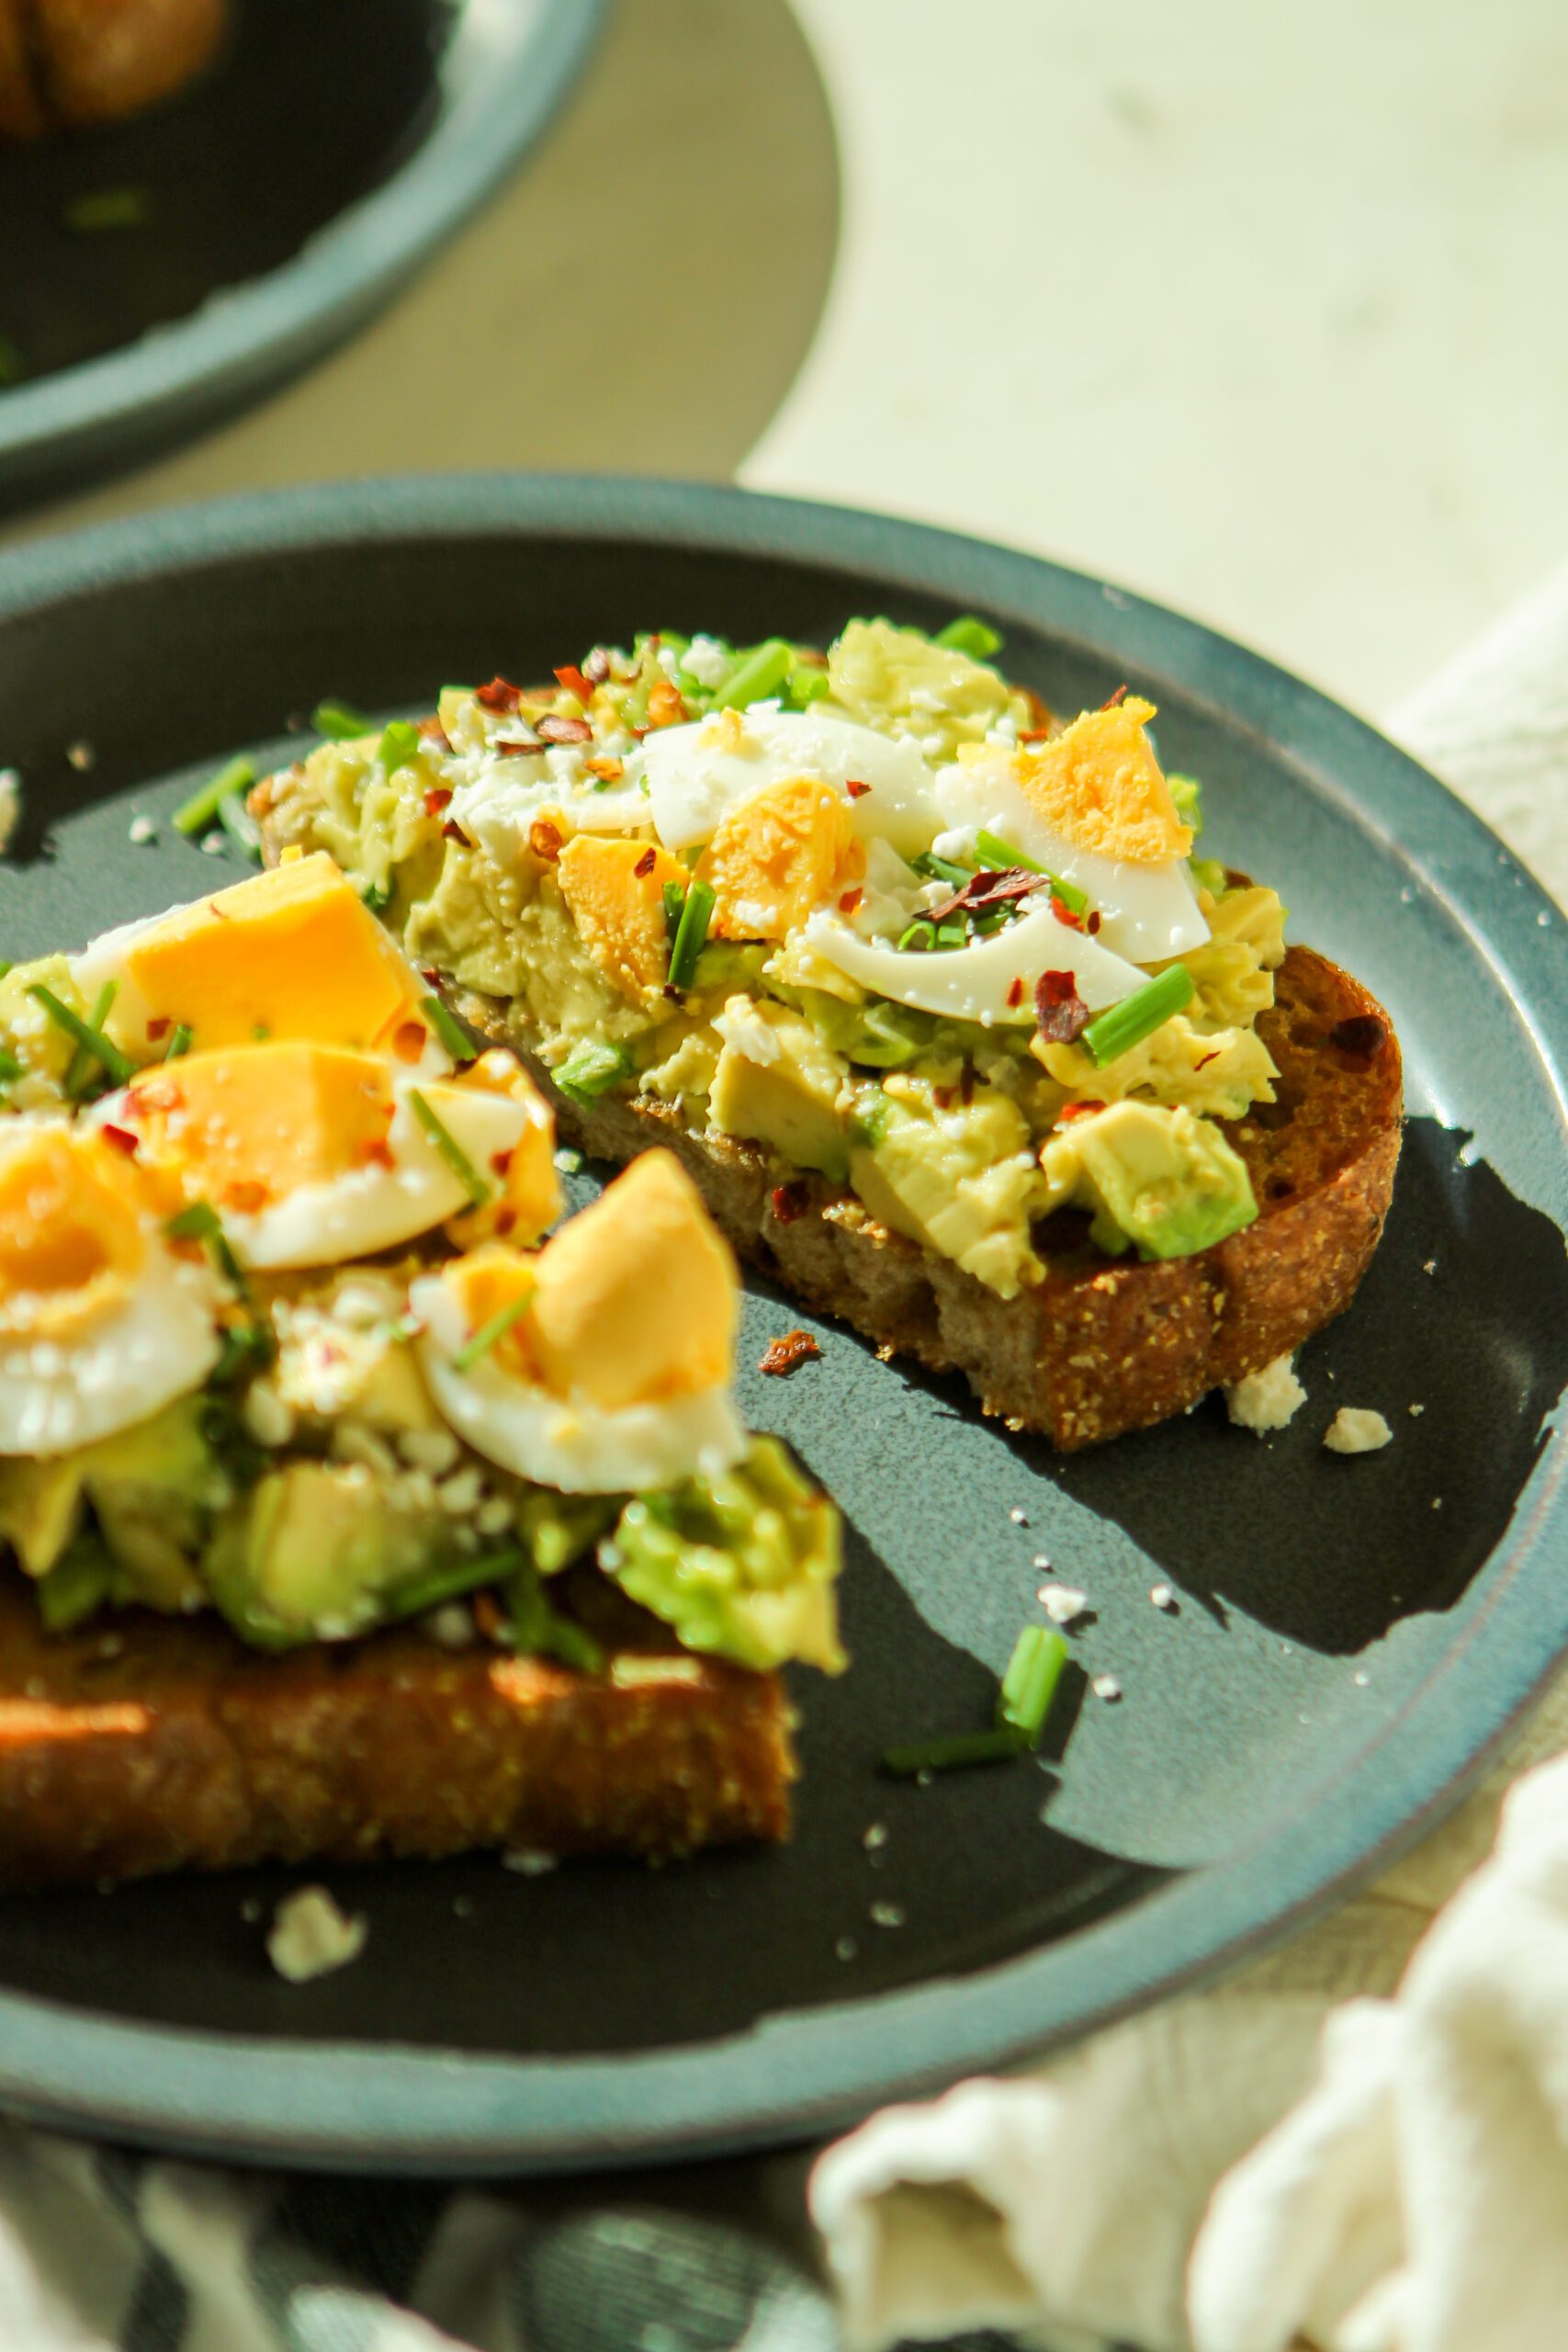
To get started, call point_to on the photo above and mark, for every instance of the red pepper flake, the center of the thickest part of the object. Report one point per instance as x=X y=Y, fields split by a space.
x=488 y=1616
x=410 y=1039
x=783 y=1355
x=1070 y=1110
x=1206 y=1060
x=1041 y=723
x=517 y=747
x=454 y=832
x=551 y=730
x=246 y=1195
x=856 y=789
x=1091 y=921
x=790 y=1201
x=575 y=683
x=1111 y=700
x=987 y=888
x=666 y=706
x=501 y=1161
x=219 y=914
x=431 y=731
x=1063 y=913
x=122 y=1139
x=505 y=1219
x=545 y=840
x=437 y=799
x=850 y=903
x=1035 y=734
x=379 y=1155
x=158 y=1028
x=966 y=1085
x=596 y=669
x=1015 y=990
x=646 y=864
x=942 y=1097
x=499 y=694
x=1060 y=1014
x=608 y=771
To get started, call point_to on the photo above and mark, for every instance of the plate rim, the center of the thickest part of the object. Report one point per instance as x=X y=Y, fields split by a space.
x=66 y=430
x=390 y=2107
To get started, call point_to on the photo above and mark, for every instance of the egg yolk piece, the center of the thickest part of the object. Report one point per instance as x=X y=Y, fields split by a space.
x=527 y=1200
x=615 y=890
x=777 y=857
x=1099 y=785
x=244 y=1128
x=72 y=1238
x=294 y=954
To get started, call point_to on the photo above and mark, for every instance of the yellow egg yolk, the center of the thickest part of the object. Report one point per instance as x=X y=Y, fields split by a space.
x=527 y=1200
x=71 y=1236
x=1100 y=785
x=244 y=1126
x=779 y=855
x=615 y=890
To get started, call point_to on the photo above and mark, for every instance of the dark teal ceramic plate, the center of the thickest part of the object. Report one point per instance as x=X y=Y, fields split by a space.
x=1351 y=1638
x=274 y=207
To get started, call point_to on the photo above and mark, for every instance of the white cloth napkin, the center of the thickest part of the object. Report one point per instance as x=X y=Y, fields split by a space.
x=1346 y=2146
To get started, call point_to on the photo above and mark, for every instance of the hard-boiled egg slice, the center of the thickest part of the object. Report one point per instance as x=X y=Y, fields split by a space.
x=603 y=1364
x=992 y=982
x=101 y=1322
x=312 y=1154
x=1147 y=912
x=503 y=796
x=697 y=773
x=286 y=956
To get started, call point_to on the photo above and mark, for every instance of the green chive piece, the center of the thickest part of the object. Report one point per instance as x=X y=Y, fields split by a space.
x=807 y=684
x=195 y=815
x=1000 y=854
x=451 y=1150
x=399 y=744
x=756 y=676
x=590 y=1070
x=196 y=1222
x=485 y=1338
x=1072 y=898
x=10 y=1066
x=378 y=896
x=690 y=934
x=5 y=967
x=1030 y=1683
x=340 y=720
x=919 y=935
x=13 y=368
x=933 y=868
x=540 y=1630
x=179 y=1042
x=106 y=209
x=968 y=635
x=448 y=1029
x=1188 y=794
x=238 y=824
x=1139 y=1015
x=78 y=1070
x=118 y=1070
x=999 y=1745
x=431 y=1587
x=674 y=900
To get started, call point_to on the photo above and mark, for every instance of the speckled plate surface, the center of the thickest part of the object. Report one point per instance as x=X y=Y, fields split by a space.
x=1350 y=1639
x=274 y=206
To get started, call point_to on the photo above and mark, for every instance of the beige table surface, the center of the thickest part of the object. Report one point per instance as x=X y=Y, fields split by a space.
x=1256 y=309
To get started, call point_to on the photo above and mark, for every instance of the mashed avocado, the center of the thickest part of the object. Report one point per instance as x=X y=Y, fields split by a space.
x=1162 y=1180
x=958 y=1176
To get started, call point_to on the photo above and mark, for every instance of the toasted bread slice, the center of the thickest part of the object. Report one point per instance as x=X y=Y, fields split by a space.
x=144 y=1744
x=67 y=63
x=1102 y=1346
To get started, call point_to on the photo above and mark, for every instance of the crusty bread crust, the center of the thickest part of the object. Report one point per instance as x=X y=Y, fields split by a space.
x=144 y=1744
x=1100 y=1346
x=68 y=63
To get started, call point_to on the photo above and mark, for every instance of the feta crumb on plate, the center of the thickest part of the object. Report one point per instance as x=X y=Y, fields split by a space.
x=1267 y=1399
x=309 y=1935
x=1355 y=1429
x=1062 y=1602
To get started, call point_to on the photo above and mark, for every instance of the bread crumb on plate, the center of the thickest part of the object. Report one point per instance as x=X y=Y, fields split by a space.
x=1267 y=1399
x=310 y=1936
x=1355 y=1429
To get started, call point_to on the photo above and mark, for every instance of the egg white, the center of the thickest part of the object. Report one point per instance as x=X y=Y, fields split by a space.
x=156 y=1344
x=568 y=1443
x=978 y=983
x=500 y=798
x=693 y=781
x=1147 y=912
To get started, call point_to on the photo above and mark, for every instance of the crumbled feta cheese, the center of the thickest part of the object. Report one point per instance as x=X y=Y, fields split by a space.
x=887 y=1915
x=494 y=1517
x=142 y=830
x=10 y=806
x=269 y=1420
x=1267 y=1399
x=707 y=661
x=309 y=1935
x=461 y=1493
x=451 y=1626
x=569 y=1160
x=1019 y=1518
x=1162 y=1596
x=1355 y=1429
x=431 y=1449
x=1062 y=1602
x=1105 y=1685
x=845 y=1949
x=875 y=1835
x=213 y=844
x=1416 y=1411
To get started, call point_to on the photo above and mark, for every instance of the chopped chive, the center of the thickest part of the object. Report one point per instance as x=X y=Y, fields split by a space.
x=996 y=852
x=340 y=720
x=540 y=1631
x=78 y=1070
x=448 y=1029
x=198 y=1222
x=485 y=1338
x=1072 y=898
x=1188 y=794
x=807 y=684
x=399 y=744
x=674 y=900
x=195 y=815
x=590 y=1070
x=997 y=1746
x=1139 y=1015
x=451 y=1150
x=179 y=1042
x=238 y=824
x=1030 y=1683
x=246 y=1347
x=968 y=635
x=6 y=966
x=690 y=934
x=10 y=1066
x=431 y=1587
x=378 y=897
x=118 y=1070
x=107 y=209
x=919 y=934
x=941 y=870
x=757 y=674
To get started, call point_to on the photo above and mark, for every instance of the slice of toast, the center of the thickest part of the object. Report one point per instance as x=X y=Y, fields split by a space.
x=66 y=64
x=1102 y=1345
x=144 y=1744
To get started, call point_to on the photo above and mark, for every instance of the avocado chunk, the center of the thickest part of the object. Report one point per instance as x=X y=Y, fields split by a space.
x=40 y=1507
x=1164 y=1180
x=777 y=1083
x=316 y=1550
x=961 y=1180
x=150 y=1488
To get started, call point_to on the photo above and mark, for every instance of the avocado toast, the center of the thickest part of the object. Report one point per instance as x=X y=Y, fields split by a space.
x=930 y=992
x=348 y=1515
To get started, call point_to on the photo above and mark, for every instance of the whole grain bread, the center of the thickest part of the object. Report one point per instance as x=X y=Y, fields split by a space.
x=1100 y=1346
x=142 y=1743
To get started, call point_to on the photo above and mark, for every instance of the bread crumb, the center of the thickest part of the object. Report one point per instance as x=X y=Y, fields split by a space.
x=1267 y=1399
x=310 y=1936
x=1062 y=1602
x=10 y=806
x=1355 y=1429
